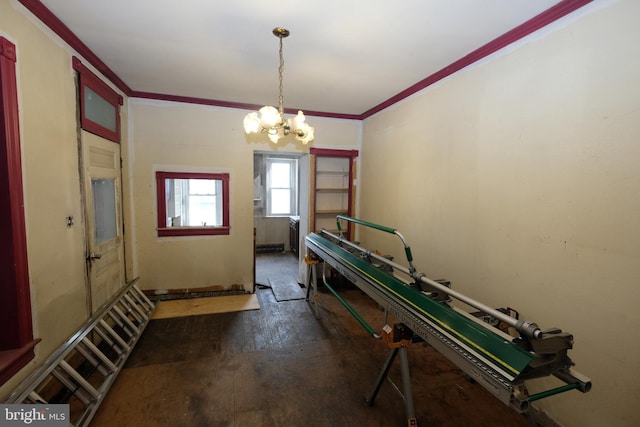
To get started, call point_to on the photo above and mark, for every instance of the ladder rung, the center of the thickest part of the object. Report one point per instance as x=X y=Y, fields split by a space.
x=135 y=306
x=74 y=388
x=142 y=296
x=79 y=379
x=140 y=302
x=123 y=345
x=87 y=355
x=118 y=320
x=130 y=310
x=36 y=398
x=110 y=367
x=105 y=337
x=126 y=320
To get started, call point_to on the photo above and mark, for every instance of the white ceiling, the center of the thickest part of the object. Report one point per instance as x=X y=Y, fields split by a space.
x=342 y=56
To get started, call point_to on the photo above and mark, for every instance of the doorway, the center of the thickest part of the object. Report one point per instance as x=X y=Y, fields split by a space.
x=276 y=242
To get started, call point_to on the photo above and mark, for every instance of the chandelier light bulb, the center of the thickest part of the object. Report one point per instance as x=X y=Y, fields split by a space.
x=307 y=135
x=296 y=123
x=251 y=123
x=269 y=117
x=274 y=137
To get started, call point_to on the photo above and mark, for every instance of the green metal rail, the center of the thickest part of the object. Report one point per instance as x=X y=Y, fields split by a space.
x=407 y=248
x=366 y=223
x=553 y=392
x=350 y=309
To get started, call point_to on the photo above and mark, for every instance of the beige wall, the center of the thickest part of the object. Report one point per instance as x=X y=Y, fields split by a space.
x=518 y=180
x=184 y=137
x=47 y=104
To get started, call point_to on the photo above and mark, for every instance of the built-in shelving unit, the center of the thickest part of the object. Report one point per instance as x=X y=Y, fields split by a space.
x=332 y=181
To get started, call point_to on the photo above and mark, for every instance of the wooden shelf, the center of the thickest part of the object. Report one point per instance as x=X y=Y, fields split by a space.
x=339 y=173
x=333 y=231
x=334 y=190
x=331 y=212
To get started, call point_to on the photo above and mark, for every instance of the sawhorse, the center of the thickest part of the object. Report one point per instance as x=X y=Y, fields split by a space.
x=398 y=339
x=312 y=281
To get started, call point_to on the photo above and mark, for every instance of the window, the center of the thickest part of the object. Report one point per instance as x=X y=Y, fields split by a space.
x=99 y=104
x=282 y=183
x=192 y=203
x=16 y=339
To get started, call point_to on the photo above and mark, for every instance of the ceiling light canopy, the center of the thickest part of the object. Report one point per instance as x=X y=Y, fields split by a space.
x=271 y=120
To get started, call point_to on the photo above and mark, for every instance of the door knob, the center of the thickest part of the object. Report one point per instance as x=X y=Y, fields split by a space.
x=93 y=257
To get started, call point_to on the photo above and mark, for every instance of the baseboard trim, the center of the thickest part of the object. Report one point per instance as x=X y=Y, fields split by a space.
x=269 y=248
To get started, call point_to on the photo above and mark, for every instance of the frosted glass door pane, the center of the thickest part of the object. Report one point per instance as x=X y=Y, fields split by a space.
x=104 y=209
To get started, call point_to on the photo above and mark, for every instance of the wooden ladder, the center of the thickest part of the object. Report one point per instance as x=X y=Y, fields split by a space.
x=81 y=371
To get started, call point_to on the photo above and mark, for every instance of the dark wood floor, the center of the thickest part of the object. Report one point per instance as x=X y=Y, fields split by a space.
x=280 y=366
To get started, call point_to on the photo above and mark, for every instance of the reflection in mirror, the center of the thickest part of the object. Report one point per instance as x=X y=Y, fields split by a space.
x=193 y=202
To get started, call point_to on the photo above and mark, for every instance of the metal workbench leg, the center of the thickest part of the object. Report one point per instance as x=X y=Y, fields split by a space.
x=383 y=374
x=314 y=285
x=406 y=385
x=308 y=283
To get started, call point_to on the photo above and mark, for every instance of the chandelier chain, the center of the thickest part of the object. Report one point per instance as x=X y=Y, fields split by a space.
x=280 y=72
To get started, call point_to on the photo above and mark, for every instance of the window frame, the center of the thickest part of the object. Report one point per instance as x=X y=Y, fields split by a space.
x=164 y=231
x=16 y=341
x=293 y=185
x=89 y=80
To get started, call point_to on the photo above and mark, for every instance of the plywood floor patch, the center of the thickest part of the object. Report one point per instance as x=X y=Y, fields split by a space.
x=208 y=305
x=286 y=289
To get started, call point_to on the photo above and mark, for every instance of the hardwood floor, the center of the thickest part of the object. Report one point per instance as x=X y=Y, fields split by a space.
x=280 y=366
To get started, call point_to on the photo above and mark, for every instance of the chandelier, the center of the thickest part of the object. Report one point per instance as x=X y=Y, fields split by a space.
x=271 y=120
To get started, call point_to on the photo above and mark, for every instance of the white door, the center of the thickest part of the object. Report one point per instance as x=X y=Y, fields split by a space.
x=103 y=213
x=304 y=192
